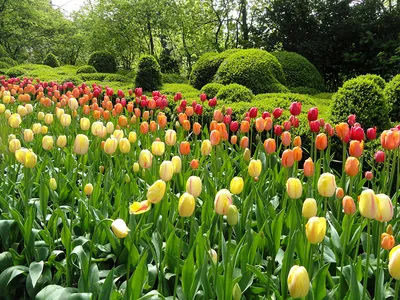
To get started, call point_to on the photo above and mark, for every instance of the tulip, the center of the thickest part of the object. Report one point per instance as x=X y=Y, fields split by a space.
x=2 y=108
x=177 y=163
x=286 y=138
x=65 y=120
x=73 y=104
x=145 y=159
x=232 y=215
x=52 y=184
x=14 y=120
x=206 y=147
x=394 y=263
x=295 y=108
x=186 y=205
x=390 y=139
x=48 y=119
x=387 y=241
x=309 y=208
x=236 y=292
x=81 y=144
x=233 y=139
x=270 y=146
x=59 y=112
x=321 y=141
x=352 y=166
x=20 y=155
x=110 y=145
x=135 y=167
x=339 y=193
x=22 y=111
x=223 y=199
x=61 y=141
x=298 y=282
x=30 y=160
x=36 y=128
x=244 y=127
x=371 y=133
x=215 y=137
x=244 y=142
x=297 y=154
x=327 y=185
x=14 y=145
x=119 y=228
x=260 y=124
x=294 y=188
x=132 y=137
x=357 y=133
x=137 y=208
x=236 y=186
x=97 y=128
x=349 y=207
x=315 y=230
x=379 y=156
x=309 y=167
x=194 y=164
x=184 y=148
x=196 y=128
x=246 y=155
x=166 y=170
x=278 y=130
x=342 y=131
x=44 y=130
x=369 y=175
x=297 y=141
x=84 y=123
x=234 y=126
x=277 y=112
x=47 y=142
x=351 y=119
x=124 y=145
x=356 y=148
x=368 y=204
x=384 y=211
x=194 y=186
x=254 y=168
x=312 y=114
x=314 y=126
x=88 y=189
x=287 y=158
x=156 y=191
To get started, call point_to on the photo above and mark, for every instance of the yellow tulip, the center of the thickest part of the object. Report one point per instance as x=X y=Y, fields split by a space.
x=255 y=167
x=368 y=204
x=294 y=188
x=186 y=205
x=137 y=208
x=59 y=112
x=6 y=97
x=97 y=128
x=236 y=186
x=73 y=104
x=44 y=129
x=394 y=263
x=298 y=282
x=135 y=167
x=111 y=145
x=327 y=185
x=315 y=230
x=53 y=184
x=48 y=119
x=37 y=128
x=157 y=148
x=145 y=159
x=14 y=145
x=156 y=192
x=109 y=127
x=194 y=186
x=118 y=134
x=177 y=162
x=61 y=141
x=88 y=189
x=30 y=160
x=166 y=170
x=14 y=120
x=124 y=145
x=11 y=137
x=81 y=144
x=309 y=208
x=47 y=142
x=232 y=215
x=384 y=208
x=2 y=108
x=206 y=147
x=247 y=155
x=29 y=108
x=22 y=111
x=170 y=137
x=119 y=228
x=20 y=155
x=65 y=120
x=40 y=116
x=223 y=199
x=85 y=124
x=132 y=137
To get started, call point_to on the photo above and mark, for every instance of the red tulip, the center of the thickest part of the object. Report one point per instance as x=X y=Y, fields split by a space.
x=227 y=119
x=253 y=112
x=183 y=103
x=198 y=109
x=278 y=130
x=295 y=121
x=120 y=94
x=234 y=126
x=266 y=114
x=138 y=92
x=287 y=125
x=380 y=156
x=329 y=129
x=295 y=108
x=314 y=126
x=351 y=120
x=212 y=102
x=369 y=175
x=312 y=114
x=371 y=133
x=203 y=97
x=228 y=111
x=277 y=112
x=178 y=96
x=130 y=92
x=357 y=133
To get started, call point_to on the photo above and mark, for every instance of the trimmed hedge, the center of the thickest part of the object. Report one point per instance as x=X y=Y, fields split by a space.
x=15 y=72
x=375 y=78
x=103 y=61
x=116 y=78
x=299 y=72
x=51 y=60
x=148 y=75
x=364 y=98
x=392 y=95
x=206 y=67
x=86 y=69
x=211 y=89
x=256 y=69
x=74 y=79
x=9 y=61
x=234 y=93
x=93 y=76
x=173 y=78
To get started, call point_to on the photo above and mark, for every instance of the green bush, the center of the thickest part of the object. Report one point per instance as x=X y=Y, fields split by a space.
x=9 y=61
x=304 y=90
x=299 y=72
x=16 y=72
x=235 y=93
x=392 y=95
x=375 y=78
x=4 y=65
x=116 y=78
x=3 y=52
x=74 y=79
x=173 y=78
x=86 y=69
x=103 y=61
x=363 y=97
x=148 y=75
x=211 y=89
x=51 y=60
x=205 y=68
x=93 y=76
x=256 y=69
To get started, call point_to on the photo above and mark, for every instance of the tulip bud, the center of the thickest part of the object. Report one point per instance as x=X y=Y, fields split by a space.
x=309 y=167
x=156 y=192
x=132 y=137
x=369 y=175
x=294 y=188
x=214 y=256
x=135 y=167
x=177 y=162
x=352 y=166
x=186 y=205
x=119 y=228
x=53 y=184
x=269 y=146
x=47 y=142
x=124 y=145
x=387 y=241
x=384 y=208
x=166 y=170
x=81 y=144
x=194 y=186
x=255 y=168
x=287 y=158
x=14 y=145
x=309 y=208
x=368 y=204
x=84 y=123
x=394 y=263
x=236 y=293
x=298 y=282
x=145 y=159
x=349 y=207
x=380 y=156
x=44 y=130
x=232 y=215
x=206 y=147
x=14 y=120
x=223 y=199
x=247 y=154
x=194 y=164
x=327 y=185
x=389 y=229
x=137 y=208
x=315 y=230
x=65 y=120
x=170 y=137
x=88 y=189
x=339 y=193
x=37 y=128
x=236 y=186
x=61 y=141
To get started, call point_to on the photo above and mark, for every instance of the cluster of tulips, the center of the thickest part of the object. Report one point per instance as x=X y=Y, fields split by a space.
x=208 y=203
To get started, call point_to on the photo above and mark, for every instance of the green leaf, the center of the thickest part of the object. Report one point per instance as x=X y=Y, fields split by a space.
x=319 y=283
x=9 y=274
x=35 y=270
x=188 y=275
x=107 y=287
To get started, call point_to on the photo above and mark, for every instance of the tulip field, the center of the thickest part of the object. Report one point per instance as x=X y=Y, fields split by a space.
x=134 y=195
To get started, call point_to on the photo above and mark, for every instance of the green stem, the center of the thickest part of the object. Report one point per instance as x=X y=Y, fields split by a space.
x=367 y=260
x=378 y=259
x=177 y=268
x=397 y=290
x=396 y=195
x=346 y=233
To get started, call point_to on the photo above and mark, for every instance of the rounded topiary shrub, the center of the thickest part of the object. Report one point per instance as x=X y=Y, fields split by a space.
x=16 y=72
x=256 y=69
x=103 y=61
x=205 y=68
x=299 y=72
x=375 y=78
x=86 y=69
x=9 y=61
x=211 y=89
x=148 y=75
x=92 y=76
x=392 y=95
x=116 y=78
x=234 y=93
x=51 y=60
x=364 y=98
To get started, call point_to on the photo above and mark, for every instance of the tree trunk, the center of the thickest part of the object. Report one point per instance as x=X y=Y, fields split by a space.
x=150 y=37
x=245 y=27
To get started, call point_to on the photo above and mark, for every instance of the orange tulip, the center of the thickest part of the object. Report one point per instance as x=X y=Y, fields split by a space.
x=260 y=124
x=349 y=207
x=182 y=117
x=213 y=125
x=153 y=126
x=286 y=138
x=222 y=130
x=342 y=130
x=215 y=137
x=309 y=167
x=352 y=166
x=146 y=115
x=244 y=142
x=144 y=128
x=287 y=158
x=268 y=124
x=162 y=120
x=218 y=115
x=339 y=193
x=297 y=153
x=297 y=141
x=122 y=121
x=194 y=164
x=244 y=127
x=196 y=128
x=356 y=148
x=186 y=125
x=321 y=142
x=387 y=241
x=234 y=139
x=270 y=146
x=390 y=139
x=184 y=148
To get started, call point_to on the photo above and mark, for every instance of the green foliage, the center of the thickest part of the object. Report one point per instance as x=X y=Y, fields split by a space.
x=116 y=78
x=76 y=80
x=188 y=92
x=364 y=98
x=168 y=63
x=3 y=51
x=256 y=69
x=4 y=65
x=392 y=95
x=206 y=67
x=86 y=69
x=16 y=72
x=93 y=76
x=299 y=72
x=9 y=61
x=51 y=60
x=211 y=89
x=379 y=81
x=148 y=74
x=304 y=90
x=234 y=93
x=173 y=78
x=103 y=61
